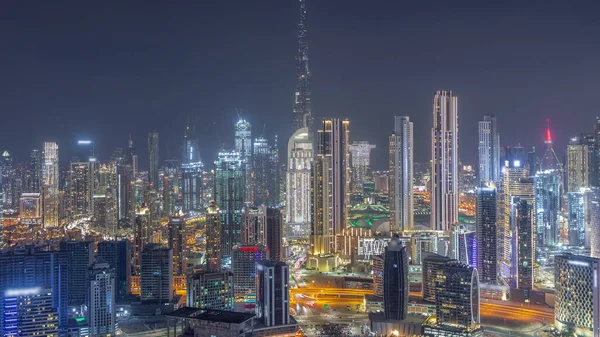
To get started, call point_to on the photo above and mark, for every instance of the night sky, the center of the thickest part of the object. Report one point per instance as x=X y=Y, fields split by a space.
x=102 y=70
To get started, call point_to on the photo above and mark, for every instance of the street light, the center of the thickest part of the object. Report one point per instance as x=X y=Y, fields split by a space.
x=395 y=333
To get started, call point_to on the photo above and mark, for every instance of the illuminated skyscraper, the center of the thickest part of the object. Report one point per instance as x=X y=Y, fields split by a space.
x=395 y=280
x=156 y=277
x=578 y=170
x=360 y=158
x=214 y=233
x=463 y=245
x=29 y=312
x=243 y=266
x=153 y=150
x=191 y=172
x=401 y=174
x=486 y=226
x=132 y=157
x=576 y=217
x=489 y=150
x=265 y=173
x=548 y=188
x=331 y=186
x=80 y=258
x=230 y=183
x=444 y=161
x=170 y=193
x=302 y=103
x=300 y=158
x=577 y=297
x=177 y=244
x=273 y=293
x=33 y=171
x=7 y=177
x=550 y=160
x=254 y=222
x=81 y=188
x=210 y=290
x=118 y=256
x=432 y=273
x=102 y=308
x=243 y=140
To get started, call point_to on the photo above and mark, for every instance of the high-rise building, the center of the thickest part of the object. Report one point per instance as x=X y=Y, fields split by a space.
x=273 y=293
x=230 y=189
x=176 y=244
x=171 y=189
x=302 y=103
x=432 y=273
x=50 y=180
x=401 y=174
x=243 y=146
x=7 y=180
x=254 y=222
x=577 y=301
x=522 y=214
x=274 y=233
x=592 y=160
x=576 y=217
x=360 y=162
x=214 y=233
x=463 y=245
x=395 y=281
x=486 y=226
x=118 y=256
x=26 y=268
x=191 y=172
x=30 y=207
x=153 y=150
x=29 y=312
x=132 y=157
x=80 y=256
x=102 y=308
x=378 y=261
x=331 y=186
x=489 y=150
x=210 y=290
x=298 y=181
x=578 y=170
x=548 y=201
x=32 y=175
x=444 y=161
x=243 y=266
x=81 y=188
x=261 y=166
x=593 y=221
x=550 y=160
x=156 y=274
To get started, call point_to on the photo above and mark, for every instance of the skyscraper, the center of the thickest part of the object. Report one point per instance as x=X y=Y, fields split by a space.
x=576 y=217
x=524 y=244
x=331 y=185
x=243 y=146
x=273 y=293
x=578 y=170
x=210 y=290
x=548 y=196
x=489 y=150
x=360 y=158
x=486 y=228
x=444 y=161
x=80 y=257
x=156 y=274
x=7 y=176
x=50 y=178
x=432 y=273
x=298 y=198
x=118 y=256
x=302 y=116
x=243 y=266
x=191 y=172
x=33 y=171
x=395 y=281
x=274 y=233
x=176 y=244
x=230 y=189
x=254 y=222
x=214 y=233
x=132 y=157
x=401 y=174
x=577 y=301
x=153 y=150
x=261 y=171
x=102 y=309
x=81 y=188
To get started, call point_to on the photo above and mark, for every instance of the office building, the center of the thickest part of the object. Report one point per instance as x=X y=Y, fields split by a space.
x=577 y=302
x=360 y=163
x=298 y=181
x=578 y=169
x=522 y=214
x=102 y=308
x=118 y=256
x=272 y=293
x=432 y=273
x=274 y=233
x=395 y=281
x=29 y=312
x=153 y=151
x=548 y=197
x=191 y=186
x=50 y=180
x=213 y=238
x=32 y=177
x=444 y=161
x=262 y=172
x=576 y=217
x=457 y=296
x=26 y=268
x=230 y=189
x=243 y=266
x=330 y=186
x=489 y=150
x=486 y=233
x=80 y=256
x=81 y=188
x=210 y=290
x=254 y=222
x=378 y=261
x=156 y=274
x=177 y=244
x=7 y=175
x=463 y=244
x=401 y=175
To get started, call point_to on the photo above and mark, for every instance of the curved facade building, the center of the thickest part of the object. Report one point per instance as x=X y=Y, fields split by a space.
x=395 y=280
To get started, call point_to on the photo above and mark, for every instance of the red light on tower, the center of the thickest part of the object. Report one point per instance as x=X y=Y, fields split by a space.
x=548 y=134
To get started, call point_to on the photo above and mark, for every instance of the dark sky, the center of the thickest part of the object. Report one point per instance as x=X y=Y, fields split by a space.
x=104 y=69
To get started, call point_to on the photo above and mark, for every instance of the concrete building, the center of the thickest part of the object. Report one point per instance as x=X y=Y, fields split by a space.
x=29 y=312
x=298 y=181
x=243 y=263
x=156 y=275
x=102 y=308
x=210 y=290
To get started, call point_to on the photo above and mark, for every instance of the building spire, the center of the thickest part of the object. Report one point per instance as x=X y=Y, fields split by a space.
x=550 y=160
x=302 y=104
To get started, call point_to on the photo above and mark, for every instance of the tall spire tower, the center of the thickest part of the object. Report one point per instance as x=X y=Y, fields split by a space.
x=550 y=160
x=302 y=106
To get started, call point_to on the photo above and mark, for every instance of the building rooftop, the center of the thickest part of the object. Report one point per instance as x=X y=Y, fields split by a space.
x=211 y=315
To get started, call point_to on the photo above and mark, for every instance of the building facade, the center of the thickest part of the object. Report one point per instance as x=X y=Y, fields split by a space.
x=486 y=229
x=395 y=281
x=401 y=174
x=272 y=293
x=489 y=150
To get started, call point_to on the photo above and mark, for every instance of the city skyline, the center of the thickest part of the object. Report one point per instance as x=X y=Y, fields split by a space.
x=83 y=112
